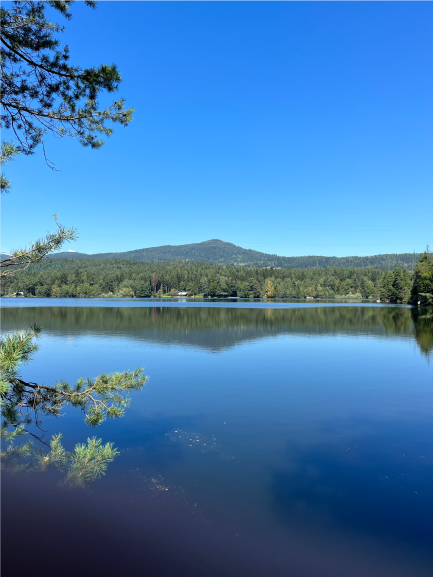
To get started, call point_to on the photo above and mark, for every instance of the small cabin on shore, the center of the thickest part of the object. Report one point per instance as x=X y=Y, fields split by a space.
x=18 y=294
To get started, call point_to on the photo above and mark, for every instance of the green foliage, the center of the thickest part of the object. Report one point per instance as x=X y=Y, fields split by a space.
x=220 y=252
x=386 y=290
x=115 y=278
x=86 y=277
x=103 y=396
x=422 y=288
x=8 y=151
x=41 y=91
x=89 y=462
x=24 y=403
x=142 y=289
x=423 y=323
x=401 y=286
x=56 y=457
x=83 y=465
x=22 y=258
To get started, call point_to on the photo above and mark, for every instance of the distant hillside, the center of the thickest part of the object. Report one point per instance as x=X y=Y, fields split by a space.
x=75 y=255
x=68 y=254
x=220 y=252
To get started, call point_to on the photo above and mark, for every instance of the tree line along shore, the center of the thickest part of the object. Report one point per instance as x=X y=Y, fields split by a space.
x=88 y=278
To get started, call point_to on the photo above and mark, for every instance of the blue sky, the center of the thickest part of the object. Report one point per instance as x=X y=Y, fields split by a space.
x=290 y=128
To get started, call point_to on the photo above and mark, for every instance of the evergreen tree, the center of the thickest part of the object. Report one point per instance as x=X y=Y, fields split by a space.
x=401 y=286
x=422 y=288
x=142 y=290
x=386 y=291
x=213 y=289
x=368 y=288
x=192 y=288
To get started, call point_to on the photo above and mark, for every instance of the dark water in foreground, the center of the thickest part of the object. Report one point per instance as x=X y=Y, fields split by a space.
x=287 y=440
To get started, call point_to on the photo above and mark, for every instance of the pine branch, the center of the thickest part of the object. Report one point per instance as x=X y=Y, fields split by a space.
x=41 y=92
x=37 y=250
x=85 y=464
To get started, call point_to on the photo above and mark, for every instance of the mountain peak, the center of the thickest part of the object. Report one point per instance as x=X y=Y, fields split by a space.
x=217 y=251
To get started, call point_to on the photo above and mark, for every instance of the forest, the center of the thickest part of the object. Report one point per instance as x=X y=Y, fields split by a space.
x=219 y=252
x=84 y=277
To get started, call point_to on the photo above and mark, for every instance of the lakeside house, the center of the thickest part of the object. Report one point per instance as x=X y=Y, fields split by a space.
x=18 y=294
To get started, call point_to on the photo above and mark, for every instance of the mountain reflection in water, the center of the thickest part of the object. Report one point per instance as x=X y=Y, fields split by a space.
x=219 y=328
x=269 y=441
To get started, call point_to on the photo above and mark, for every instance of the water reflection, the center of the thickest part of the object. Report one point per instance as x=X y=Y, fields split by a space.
x=360 y=484
x=423 y=326
x=308 y=457
x=79 y=468
x=220 y=328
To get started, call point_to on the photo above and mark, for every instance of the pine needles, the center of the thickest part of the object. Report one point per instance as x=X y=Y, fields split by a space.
x=23 y=404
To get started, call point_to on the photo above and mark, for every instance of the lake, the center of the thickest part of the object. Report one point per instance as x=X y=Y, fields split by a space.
x=272 y=439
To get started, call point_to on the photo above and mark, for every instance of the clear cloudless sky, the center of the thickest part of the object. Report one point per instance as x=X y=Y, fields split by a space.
x=292 y=128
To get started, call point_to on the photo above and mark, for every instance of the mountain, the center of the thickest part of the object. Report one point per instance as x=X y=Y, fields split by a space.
x=68 y=254
x=220 y=252
x=214 y=251
x=75 y=255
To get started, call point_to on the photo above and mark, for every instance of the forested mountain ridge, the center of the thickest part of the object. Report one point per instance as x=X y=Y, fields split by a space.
x=219 y=252
x=87 y=277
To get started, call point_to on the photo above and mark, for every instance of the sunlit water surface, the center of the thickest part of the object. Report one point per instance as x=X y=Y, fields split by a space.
x=284 y=439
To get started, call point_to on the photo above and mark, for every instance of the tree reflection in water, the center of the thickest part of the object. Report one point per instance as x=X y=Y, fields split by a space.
x=295 y=487
x=212 y=329
x=219 y=328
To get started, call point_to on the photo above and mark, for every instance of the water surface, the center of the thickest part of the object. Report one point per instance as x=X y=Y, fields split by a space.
x=272 y=439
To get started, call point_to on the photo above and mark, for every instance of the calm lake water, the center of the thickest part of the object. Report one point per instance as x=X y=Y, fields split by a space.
x=285 y=439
